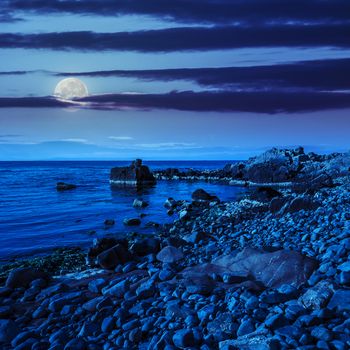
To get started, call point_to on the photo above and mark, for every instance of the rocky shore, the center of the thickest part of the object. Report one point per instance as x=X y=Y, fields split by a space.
x=270 y=271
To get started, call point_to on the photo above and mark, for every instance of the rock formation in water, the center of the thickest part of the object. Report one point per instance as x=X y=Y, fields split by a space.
x=136 y=174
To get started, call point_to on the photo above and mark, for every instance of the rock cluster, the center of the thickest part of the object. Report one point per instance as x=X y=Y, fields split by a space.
x=136 y=174
x=309 y=171
x=270 y=272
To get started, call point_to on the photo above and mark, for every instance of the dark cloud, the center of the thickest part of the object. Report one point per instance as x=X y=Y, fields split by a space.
x=16 y=72
x=259 y=102
x=317 y=75
x=185 y=39
x=211 y=11
x=6 y=17
x=31 y=102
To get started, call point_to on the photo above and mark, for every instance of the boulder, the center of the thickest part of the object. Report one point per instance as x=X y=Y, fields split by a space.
x=201 y=195
x=62 y=186
x=146 y=246
x=134 y=175
x=169 y=255
x=22 y=277
x=100 y=245
x=273 y=269
x=110 y=258
x=300 y=203
x=265 y=193
x=270 y=269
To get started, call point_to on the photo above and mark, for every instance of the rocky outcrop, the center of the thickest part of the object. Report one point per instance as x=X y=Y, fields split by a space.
x=136 y=174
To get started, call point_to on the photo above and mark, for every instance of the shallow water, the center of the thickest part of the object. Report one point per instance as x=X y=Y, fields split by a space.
x=35 y=218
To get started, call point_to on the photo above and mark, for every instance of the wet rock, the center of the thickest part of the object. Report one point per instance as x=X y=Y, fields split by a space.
x=109 y=222
x=62 y=186
x=139 y=203
x=170 y=203
x=22 y=277
x=169 y=255
x=132 y=222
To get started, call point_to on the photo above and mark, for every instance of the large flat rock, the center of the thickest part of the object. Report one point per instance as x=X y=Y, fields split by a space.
x=272 y=269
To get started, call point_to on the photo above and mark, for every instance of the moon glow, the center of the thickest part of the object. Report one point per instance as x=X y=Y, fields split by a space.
x=71 y=88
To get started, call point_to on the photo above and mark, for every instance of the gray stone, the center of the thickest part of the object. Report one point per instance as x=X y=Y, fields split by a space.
x=340 y=300
x=118 y=290
x=246 y=327
x=169 y=255
x=318 y=296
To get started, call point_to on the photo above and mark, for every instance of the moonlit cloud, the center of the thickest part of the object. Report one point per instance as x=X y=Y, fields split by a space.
x=120 y=138
x=166 y=145
x=77 y=140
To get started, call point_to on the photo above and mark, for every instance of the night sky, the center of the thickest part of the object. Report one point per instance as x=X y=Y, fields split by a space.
x=180 y=79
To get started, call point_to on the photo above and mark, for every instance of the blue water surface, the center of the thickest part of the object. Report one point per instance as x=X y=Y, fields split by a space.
x=35 y=218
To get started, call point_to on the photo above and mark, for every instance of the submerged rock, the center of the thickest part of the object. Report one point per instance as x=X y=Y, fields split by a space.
x=132 y=222
x=62 y=186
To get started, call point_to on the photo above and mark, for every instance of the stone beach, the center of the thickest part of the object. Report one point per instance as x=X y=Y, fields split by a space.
x=269 y=271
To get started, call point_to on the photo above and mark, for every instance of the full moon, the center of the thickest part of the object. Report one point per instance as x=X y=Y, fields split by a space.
x=71 y=88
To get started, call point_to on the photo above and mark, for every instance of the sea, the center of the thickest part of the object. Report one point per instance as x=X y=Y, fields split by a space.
x=35 y=218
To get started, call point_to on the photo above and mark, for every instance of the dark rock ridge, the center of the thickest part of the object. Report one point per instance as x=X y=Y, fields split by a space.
x=308 y=171
x=134 y=175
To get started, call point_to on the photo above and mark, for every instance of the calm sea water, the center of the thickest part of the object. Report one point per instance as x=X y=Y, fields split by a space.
x=35 y=218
